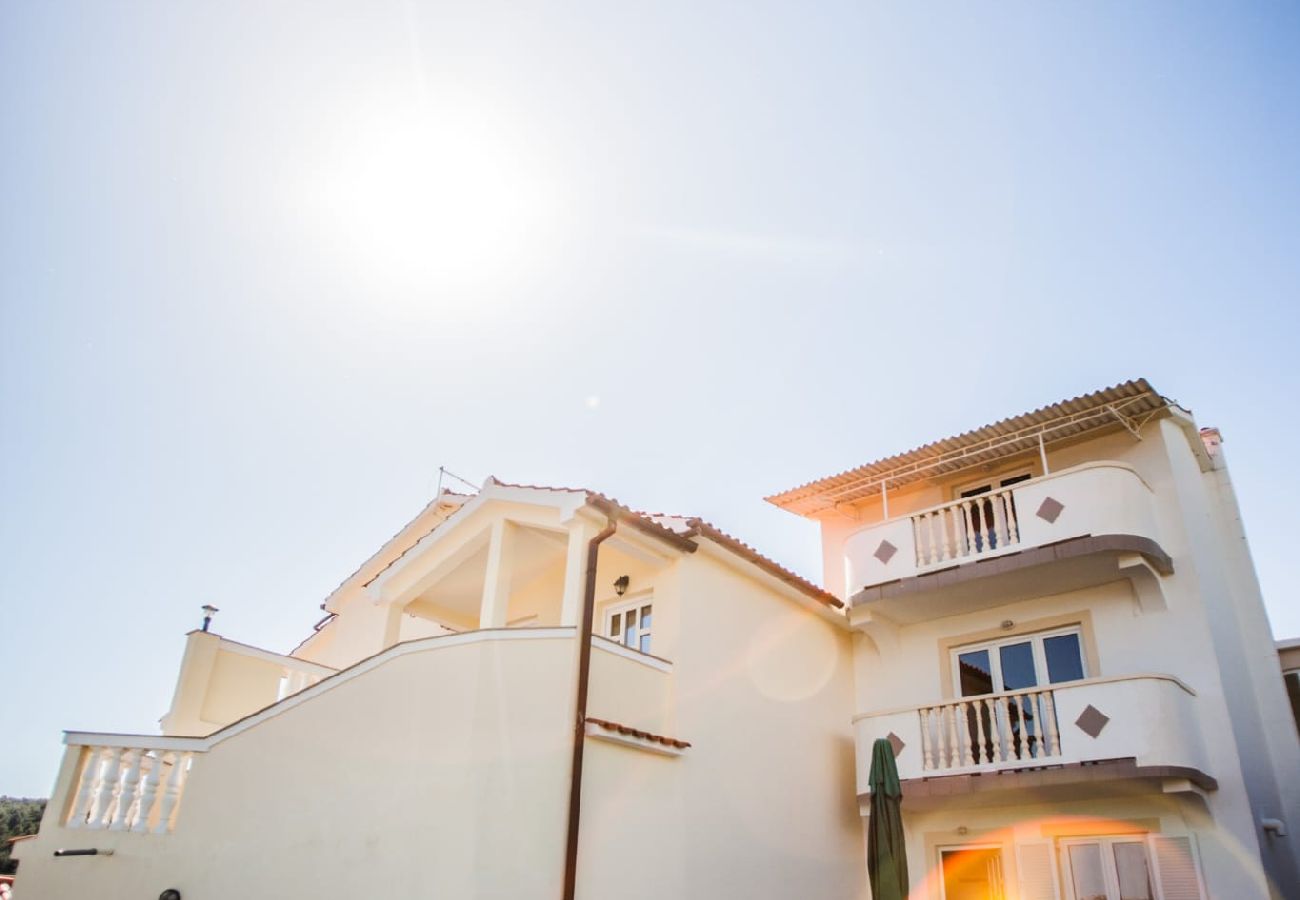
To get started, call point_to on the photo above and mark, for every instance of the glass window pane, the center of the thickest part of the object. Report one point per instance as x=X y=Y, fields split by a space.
x=629 y=628
x=1017 y=666
x=615 y=625
x=1085 y=872
x=1064 y=658
x=976 y=673
x=1131 y=867
x=645 y=643
x=645 y=618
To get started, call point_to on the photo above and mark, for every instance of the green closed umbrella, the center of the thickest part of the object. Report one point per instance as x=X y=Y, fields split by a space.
x=886 y=852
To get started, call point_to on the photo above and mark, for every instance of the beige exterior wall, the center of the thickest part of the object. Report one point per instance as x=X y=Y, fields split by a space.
x=441 y=767
x=1211 y=621
x=762 y=804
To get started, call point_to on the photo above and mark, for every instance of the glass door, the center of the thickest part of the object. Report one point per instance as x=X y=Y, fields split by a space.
x=972 y=873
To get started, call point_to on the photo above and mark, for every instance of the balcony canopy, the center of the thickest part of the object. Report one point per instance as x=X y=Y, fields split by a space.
x=1129 y=405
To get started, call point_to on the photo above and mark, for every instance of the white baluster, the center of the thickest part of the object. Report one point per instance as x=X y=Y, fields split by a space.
x=954 y=758
x=1004 y=728
x=999 y=522
x=916 y=539
x=90 y=764
x=126 y=794
x=109 y=787
x=171 y=792
x=970 y=527
x=1019 y=732
x=927 y=746
x=1053 y=734
x=148 y=792
x=963 y=709
x=981 y=749
x=1013 y=527
x=1036 y=749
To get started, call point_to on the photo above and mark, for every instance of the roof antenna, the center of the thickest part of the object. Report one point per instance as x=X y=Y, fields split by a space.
x=465 y=481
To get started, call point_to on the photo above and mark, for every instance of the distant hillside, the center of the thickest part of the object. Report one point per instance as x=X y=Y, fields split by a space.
x=18 y=815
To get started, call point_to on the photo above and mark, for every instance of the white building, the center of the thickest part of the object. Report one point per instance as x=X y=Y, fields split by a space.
x=1054 y=619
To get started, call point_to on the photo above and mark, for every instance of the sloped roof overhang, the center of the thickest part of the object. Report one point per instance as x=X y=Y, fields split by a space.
x=1129 y=405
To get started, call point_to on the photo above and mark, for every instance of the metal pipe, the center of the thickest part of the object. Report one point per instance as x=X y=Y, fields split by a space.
x=89 y=852
x=580 y=711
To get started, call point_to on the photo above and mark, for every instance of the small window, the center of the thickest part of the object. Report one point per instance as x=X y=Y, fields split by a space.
x=629 y=624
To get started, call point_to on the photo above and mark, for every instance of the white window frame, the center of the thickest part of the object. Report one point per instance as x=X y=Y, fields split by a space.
x=1035 y=640
x=957 y=848
x=619 y=609
x=1109 y=873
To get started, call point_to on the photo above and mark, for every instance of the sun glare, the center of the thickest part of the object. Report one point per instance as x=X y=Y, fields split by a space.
x=452 y=198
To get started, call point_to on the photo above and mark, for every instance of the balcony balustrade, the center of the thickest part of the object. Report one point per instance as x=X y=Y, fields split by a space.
x=1094 y=499
x=1150 y=719
x=125 y=786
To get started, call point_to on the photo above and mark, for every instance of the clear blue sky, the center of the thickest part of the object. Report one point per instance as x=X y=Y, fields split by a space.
x=265 y=266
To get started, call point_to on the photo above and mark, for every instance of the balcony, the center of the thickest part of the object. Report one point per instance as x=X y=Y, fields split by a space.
x=1089 y=522
x=1146 y=724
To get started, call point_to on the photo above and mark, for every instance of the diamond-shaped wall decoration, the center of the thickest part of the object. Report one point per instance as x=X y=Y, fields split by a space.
x=1091 y=721
x=896 y=742
x=1050 y=510
x=885 y=552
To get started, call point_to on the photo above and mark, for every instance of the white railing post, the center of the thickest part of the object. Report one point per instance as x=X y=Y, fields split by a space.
x=126 y=793
x=109 y=786
x=89 y=769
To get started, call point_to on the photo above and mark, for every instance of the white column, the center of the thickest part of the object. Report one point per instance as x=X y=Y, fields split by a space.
x=496 y=581
x=575 y=571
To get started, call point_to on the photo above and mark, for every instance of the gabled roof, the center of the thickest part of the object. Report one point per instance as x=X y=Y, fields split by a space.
x=680 y=532
x=1129 y=405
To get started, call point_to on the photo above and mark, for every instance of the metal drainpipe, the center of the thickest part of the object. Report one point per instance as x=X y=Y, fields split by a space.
x=580 y=712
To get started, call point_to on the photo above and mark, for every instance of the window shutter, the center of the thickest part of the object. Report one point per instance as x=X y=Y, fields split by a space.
x=1036 y=871
x=1175 y=872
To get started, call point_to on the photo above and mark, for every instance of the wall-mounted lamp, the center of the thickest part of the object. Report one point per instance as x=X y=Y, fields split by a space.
x=208 y=612
x=620 y=584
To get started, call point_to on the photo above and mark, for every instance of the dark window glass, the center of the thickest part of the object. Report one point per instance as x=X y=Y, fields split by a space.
x=1017 y=666
x=976 y=673
x=615 y=625
x=645 y=618
x=1064 y=659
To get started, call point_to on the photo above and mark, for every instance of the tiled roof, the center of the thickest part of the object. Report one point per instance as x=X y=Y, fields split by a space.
x=1130 y=404
x=637 y=732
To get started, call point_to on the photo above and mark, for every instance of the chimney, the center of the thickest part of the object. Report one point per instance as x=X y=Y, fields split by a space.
x=1212 y=440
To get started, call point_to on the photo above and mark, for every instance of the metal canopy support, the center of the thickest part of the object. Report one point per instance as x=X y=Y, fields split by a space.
x=1017 y=441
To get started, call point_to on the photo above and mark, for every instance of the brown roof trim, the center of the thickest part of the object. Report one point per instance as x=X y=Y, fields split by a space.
x=771 y=567
x=637 y=732
x=1036 y=556
x=1048 y=776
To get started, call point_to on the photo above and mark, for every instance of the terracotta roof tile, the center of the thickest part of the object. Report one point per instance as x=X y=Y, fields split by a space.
x=637 y=732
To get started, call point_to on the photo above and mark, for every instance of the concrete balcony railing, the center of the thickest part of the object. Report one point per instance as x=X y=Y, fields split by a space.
x=1150 y=719
x=128 y=782
x=1097 y=498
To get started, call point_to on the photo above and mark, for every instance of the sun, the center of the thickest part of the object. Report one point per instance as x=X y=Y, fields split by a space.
x=446 y=195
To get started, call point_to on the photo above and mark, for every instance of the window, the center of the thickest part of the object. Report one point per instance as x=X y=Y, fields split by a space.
x=1107 y=869
x=629 y=624
x=1025 y=661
